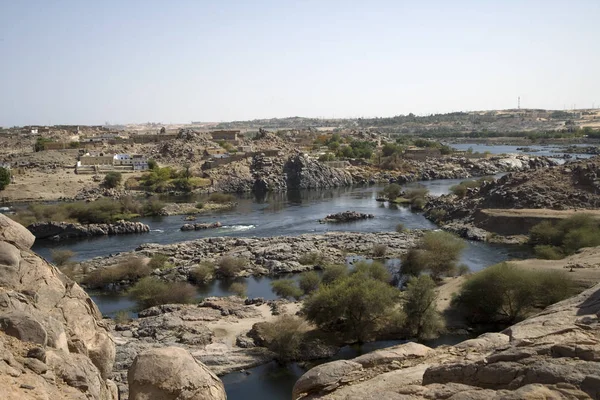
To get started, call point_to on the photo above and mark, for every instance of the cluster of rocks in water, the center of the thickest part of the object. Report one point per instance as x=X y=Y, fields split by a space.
x=553 y=355
x=346 y=216
x=200 y=227
x=64 y=230
x=265 y=255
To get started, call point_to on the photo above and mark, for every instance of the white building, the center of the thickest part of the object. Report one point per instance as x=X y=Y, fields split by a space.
x=122 y=160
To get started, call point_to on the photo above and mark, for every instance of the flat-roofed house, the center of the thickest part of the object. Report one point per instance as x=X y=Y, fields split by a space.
x=228 y=136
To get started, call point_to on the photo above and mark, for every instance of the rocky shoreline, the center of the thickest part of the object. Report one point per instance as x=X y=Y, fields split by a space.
x=264 y=255
x=63 y=230
x=553 y=355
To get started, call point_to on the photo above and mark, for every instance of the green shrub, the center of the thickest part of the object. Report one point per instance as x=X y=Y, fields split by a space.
x=200 y=205
x=333 y=273
x=312 y=258
x=552 y=287
x=463 y=269
x=422 y=318
x=379 y=250
x=357 y=307
x=4 y=178
x=437 y=252
x=565 y=237
x=221 y=198
x=130 y=269
x=286 y=288
x=418 y=203
x=372 y=270
x=61 y=257
x=504 y=293
x=112 y=179
x=309 y=282
x=582 y=237
x=160 y=261
x=400 y=228
x=150 y=291
x=548 y=252
x=230 y=267
x=459 y=190
x=545 y=233
x=392 y=191
x=153 y=206
x=419 y=192
x=462 y=188
x=239 y=289
x=202 y=273
x=283 y=337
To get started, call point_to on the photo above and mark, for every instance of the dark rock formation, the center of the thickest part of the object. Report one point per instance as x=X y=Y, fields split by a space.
x=346 y=216
x=574 y=185
x=64 y=230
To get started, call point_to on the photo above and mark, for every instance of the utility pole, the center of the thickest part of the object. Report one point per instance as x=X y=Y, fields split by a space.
x=519 y=102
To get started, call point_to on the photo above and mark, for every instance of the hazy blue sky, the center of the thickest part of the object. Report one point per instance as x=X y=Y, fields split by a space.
x=87 y=62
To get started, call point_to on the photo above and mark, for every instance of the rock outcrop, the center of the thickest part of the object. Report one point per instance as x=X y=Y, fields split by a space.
x=346 y=216
x=216 y=332
x=452 y=167
x=171 y=373
x=573 y=185
x=200 y=227
x=277 y=174
x=63 y=230
x=553 y=355
x=53 y=342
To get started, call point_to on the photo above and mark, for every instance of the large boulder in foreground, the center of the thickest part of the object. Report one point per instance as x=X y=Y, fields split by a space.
x=53 y=342
x=171 y=373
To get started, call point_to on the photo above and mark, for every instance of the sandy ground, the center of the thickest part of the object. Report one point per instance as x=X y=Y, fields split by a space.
x=41 y=186
x=226 y=330
x=538 y=213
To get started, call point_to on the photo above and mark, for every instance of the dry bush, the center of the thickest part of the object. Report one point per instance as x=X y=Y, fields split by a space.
x=229 y=267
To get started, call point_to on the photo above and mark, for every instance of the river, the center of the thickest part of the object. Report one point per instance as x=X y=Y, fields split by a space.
x=276 y=214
